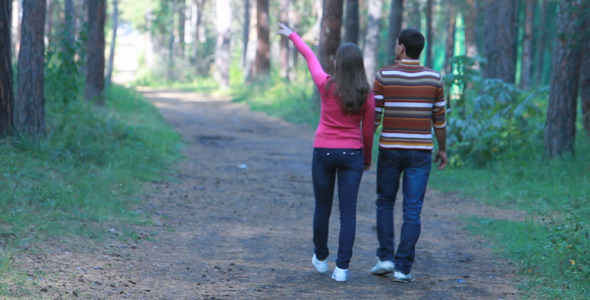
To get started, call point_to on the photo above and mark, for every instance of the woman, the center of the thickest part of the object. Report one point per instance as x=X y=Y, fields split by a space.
x=342 y=147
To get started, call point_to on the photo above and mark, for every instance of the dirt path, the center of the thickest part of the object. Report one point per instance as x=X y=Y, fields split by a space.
x=236 y=224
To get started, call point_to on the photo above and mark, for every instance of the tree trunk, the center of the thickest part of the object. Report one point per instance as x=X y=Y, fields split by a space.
x=500 y=39
x=351 y=24
x=113 y=41
x=17 y=9
x=198 y=22
x=585 y=81
x=94 y=90
x=450 y=41
x=527 y=47
x=70 y=26
x=246 y=35
x=284 y=51
x=471 y=29
x=181 y=27
x=222 y=51
x=252 y=45
x=372 y=39
x=429 y=34
x=395 y=26
x=49 y=20
x=330 y=33
x=171 y=39
x=6 y=83
x=541 y=44
x=560 y=125
x=263 y=44
x=29 y=110
x=294 y=20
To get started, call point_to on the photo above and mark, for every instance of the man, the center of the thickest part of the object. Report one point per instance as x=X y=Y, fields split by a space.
x=410 y=100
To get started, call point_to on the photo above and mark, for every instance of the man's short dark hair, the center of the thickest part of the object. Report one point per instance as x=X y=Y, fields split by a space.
x=413 y=41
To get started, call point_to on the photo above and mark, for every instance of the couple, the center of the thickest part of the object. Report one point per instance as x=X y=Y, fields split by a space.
x=410 y=100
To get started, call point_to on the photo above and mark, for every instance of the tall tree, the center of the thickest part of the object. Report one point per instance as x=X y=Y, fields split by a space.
x=113 y=41
x=540 y=48
x=472 y=30
x=451 y=29
x=222 y=49
x=263 y=42
x=372 y=38
x=351 y=24
x=294 y=20
x=16 y=12
x=585 y=79
x=527 y=47
x=250 y=58
x=500 y=39
x=199 y=4
x=429 y=33
x=70 y=26
x=29 y=110
x=49 y=19
x=95 y=61
x=395 y=26
x=560 y=125
x=284 y=51
x=246 y=32
x=181 y=26
x=6 y=85
x=171 y=38
x=585 y=88
x=330 y=33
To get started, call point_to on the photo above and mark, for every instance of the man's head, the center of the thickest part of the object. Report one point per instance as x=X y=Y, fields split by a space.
x=409 y=42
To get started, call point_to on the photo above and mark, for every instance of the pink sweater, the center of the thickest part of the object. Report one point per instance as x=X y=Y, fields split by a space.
x=336 y=129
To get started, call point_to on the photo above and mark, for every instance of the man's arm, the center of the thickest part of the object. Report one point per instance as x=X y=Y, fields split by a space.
x=441 y=154
x=379 y=101
x=440 y=127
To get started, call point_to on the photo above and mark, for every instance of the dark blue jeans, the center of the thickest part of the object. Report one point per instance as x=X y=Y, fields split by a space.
x=328 y=164
x=415 y=167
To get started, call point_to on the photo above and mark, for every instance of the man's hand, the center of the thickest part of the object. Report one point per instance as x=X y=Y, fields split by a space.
x=442 y=157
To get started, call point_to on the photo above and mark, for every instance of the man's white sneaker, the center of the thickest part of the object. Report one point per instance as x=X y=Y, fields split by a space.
x=383 y=267
x=340 y=274
x=320 y=265
x=401 y=277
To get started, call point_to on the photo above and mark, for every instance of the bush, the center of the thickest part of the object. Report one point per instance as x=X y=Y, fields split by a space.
x=489 y=118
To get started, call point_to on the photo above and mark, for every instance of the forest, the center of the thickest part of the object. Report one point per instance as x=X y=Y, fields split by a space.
x=516 y=75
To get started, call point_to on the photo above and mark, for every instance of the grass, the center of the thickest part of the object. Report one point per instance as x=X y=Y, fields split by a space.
x=550 y=247
x=290 y=101
x=85 y=175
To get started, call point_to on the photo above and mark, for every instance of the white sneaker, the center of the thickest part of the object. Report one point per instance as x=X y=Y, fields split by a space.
x=401 y=277
x=320 y=265
x=383 y=267
x=340 y=274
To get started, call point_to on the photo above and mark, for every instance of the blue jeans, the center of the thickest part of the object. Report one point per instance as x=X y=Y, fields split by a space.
x=347 y=165
x=415 y=166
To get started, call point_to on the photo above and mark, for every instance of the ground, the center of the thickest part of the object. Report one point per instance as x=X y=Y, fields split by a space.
x=235 y=223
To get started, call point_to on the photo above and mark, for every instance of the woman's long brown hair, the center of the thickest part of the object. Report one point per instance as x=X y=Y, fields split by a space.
x=351 y=80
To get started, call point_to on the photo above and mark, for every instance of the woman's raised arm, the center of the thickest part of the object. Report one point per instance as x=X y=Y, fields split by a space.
x=315 y=68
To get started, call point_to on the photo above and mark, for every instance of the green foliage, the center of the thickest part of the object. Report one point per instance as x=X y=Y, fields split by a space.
x=550 y=249
x=88 y=170
x=489 y=118
x=292 y=101
x=63 y=63
x=552 y=258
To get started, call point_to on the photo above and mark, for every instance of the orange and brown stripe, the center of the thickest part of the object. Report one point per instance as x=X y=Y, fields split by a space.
x=409 y=101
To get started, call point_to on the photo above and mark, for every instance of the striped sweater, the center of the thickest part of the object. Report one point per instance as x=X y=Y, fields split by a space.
x=409 y=98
